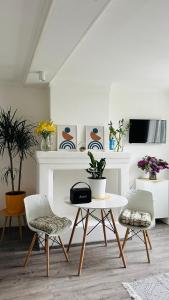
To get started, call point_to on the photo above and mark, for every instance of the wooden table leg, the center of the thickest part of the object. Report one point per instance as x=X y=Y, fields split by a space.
x=47 y=254
x=104 y=228
x=73 y=229
x=30 y=249
x=3 y=230
x=83 y=243
x=145 y=240
x=20 y=227
x=64 y=250
x=118 y=239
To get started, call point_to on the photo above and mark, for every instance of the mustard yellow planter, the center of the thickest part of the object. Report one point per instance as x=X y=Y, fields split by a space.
x=14 y=202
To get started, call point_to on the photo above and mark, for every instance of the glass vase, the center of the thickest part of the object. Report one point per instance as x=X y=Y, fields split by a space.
x=45 y=143
x=111 y=144
x=119 y=144
x=152 y=175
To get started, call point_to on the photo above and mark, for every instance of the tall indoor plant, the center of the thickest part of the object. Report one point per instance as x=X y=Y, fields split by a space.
x=16 y=141
x=97 y=182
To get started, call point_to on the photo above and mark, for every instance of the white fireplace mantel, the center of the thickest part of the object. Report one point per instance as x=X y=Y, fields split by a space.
x=48 y=162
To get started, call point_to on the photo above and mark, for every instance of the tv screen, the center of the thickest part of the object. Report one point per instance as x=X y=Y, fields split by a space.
x=147 y=131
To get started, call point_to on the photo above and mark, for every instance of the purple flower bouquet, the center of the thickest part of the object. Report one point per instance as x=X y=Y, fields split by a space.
x=152 y=165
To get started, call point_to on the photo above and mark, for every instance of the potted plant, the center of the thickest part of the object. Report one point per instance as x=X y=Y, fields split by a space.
x=45 y=129
x=17 y=141
x=116 y=135
x=152 y=165
x=97 y=182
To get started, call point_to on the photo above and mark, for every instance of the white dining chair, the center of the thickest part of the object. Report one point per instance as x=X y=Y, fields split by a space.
x=42 y=220
x=139 y=201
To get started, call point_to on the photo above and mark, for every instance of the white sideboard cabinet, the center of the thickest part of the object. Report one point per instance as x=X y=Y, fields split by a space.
x=159 y=189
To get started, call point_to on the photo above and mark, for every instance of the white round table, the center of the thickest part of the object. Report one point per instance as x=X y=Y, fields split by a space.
x=106 y=206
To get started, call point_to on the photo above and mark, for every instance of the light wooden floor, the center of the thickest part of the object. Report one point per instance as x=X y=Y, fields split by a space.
x=101 y=277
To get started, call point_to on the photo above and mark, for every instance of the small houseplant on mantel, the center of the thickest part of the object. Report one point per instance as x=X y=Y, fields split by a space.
x=16 y=141
x=97 y=182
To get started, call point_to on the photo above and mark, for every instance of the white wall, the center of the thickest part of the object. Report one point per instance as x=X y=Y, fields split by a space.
x=78 y=103
x=33 y=105
x=139 y=102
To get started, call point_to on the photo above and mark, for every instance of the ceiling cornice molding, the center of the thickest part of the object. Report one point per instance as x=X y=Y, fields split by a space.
x=41 y=26
x=82 y=83
x=19 y=84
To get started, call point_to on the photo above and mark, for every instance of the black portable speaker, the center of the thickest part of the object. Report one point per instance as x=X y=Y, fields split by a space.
x=81 y=194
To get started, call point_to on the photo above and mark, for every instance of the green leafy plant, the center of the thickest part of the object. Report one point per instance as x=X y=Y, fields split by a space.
x=17 y=140
x=96 y=167
x=118 y=133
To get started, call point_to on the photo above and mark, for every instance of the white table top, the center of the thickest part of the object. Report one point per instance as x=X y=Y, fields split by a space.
x=110 y=201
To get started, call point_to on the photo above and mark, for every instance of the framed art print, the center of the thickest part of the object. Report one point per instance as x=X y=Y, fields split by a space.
x=67 y=137
x=95 y=137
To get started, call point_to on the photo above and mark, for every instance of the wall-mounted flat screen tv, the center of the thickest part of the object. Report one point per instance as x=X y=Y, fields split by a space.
x=147 y=131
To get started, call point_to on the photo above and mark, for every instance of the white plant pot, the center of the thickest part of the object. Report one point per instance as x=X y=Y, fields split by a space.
x=98 y=187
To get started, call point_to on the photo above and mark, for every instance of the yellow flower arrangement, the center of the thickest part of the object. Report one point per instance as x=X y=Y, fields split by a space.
x=45 y=128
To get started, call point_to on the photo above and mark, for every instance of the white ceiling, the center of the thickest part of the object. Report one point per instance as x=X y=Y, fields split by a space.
x=20 y=25
x=129 y=42
x=101 y=41
x=65 y=25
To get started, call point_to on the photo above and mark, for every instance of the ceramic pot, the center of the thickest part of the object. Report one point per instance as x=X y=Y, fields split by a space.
x=98 y=187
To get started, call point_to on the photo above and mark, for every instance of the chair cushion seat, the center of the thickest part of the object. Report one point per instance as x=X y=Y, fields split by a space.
x=51 y=224
x=135 y=218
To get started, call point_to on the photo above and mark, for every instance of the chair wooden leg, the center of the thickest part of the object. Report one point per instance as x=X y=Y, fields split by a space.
x=47 y=254
x=104 y=228
x=20 y=227
x=24 y=221
x=3 y=230
x=125 y=239
x=64 y=250
x=83 y=244
x=148 y=238
x=73 y=229
x=30 y=249
x=145 y=240
x=117 y=238
x=10 y=222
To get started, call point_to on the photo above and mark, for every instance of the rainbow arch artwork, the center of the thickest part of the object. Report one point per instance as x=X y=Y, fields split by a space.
x=67 y=145
x=95 y=137
x=67 y=137
x=95 y=145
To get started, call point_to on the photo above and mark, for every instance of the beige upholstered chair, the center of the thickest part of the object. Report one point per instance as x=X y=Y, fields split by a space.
x=139 y=201
x=42 y=220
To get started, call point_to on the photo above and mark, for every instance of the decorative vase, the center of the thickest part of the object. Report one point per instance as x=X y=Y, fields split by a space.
x=98 y=187
x=46 y=143
x=152 y=175
x=111 y=144
x=119 y=144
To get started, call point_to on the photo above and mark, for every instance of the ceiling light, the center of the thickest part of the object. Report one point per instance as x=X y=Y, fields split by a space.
x=42 y=76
